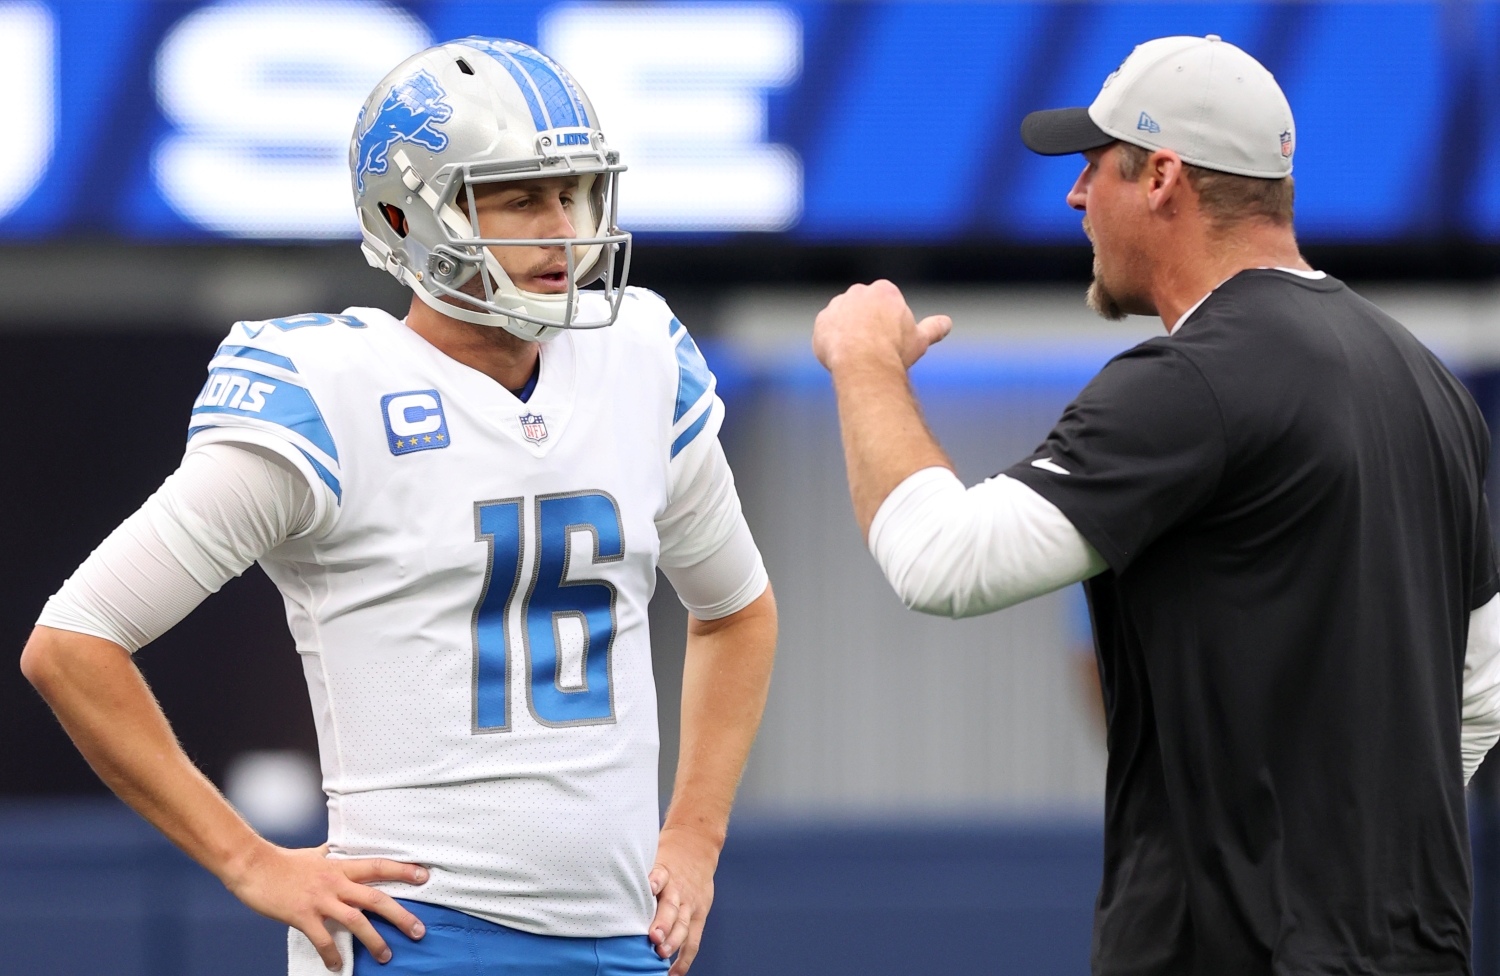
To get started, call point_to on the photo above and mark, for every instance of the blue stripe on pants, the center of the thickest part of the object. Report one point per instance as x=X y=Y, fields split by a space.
x=462 y=945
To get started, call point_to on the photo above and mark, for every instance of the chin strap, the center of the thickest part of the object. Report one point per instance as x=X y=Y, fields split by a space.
x=447 y=213
x=493 y=320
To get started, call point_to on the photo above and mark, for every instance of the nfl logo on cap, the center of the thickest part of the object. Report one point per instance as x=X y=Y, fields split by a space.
x=534 y=427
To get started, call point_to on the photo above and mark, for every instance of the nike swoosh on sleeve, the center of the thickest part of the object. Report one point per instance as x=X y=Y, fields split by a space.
x=1047 y=464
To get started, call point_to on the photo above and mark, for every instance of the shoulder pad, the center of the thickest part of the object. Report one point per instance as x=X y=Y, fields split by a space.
x=254 y=385
x=253 y=330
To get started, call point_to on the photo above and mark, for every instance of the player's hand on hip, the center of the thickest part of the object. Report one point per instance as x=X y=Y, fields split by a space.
x=683 y=883
x=302 y=887
x=874 y=323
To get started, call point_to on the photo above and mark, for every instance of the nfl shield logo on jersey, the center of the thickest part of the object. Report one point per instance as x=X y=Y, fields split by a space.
x=534 y=427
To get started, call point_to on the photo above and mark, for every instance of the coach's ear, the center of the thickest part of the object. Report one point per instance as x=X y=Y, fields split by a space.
x=1163 y=180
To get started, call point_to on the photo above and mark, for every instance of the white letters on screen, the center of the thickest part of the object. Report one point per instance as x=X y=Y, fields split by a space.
x=263 y=97
x=681 y=92
x=27 y=41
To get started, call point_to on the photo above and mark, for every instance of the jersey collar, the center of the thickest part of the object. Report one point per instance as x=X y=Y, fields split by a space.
x=1309 y=275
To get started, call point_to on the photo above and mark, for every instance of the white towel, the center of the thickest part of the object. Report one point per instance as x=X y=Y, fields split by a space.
x=303 y=960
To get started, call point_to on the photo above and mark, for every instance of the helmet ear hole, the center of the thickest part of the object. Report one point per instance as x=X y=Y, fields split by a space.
x=396 y=218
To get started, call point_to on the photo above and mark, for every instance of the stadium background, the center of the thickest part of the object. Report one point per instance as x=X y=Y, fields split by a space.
x=925 y=795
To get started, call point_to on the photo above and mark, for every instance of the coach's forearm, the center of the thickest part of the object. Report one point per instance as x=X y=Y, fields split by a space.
x=725 y=678
x=885 y=438
x=103 y=702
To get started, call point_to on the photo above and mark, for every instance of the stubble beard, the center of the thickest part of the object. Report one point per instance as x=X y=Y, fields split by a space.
x=1098 y=298
x=1100 y=301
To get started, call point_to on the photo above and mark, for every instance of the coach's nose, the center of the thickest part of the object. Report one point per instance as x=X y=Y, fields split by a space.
x=1078 y=197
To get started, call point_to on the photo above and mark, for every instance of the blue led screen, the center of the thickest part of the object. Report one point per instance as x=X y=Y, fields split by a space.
x=823 y=122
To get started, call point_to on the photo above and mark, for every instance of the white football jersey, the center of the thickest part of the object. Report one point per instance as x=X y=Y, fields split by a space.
x=470 y=605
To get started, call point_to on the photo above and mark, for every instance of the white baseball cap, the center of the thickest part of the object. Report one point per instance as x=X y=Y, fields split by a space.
x=1205 y=99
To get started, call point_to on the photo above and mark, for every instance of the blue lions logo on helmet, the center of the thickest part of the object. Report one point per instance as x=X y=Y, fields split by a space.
x=409 y=112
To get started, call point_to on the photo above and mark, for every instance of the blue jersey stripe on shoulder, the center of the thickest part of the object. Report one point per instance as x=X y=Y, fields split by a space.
x=250 y=352
x=674 y=326
x=243 y=393
x=306 y=320
x=693 y=376
x=325 y=474
x=694 y=429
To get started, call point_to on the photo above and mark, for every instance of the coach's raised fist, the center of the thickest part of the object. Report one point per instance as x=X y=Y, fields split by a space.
x=873 y=324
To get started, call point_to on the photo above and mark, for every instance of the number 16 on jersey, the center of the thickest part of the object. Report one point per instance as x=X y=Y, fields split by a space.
x=567 y=625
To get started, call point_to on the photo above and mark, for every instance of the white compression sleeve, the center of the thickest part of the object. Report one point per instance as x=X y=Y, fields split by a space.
x=727 y=580
x=958 y=552
x=222 y=509
x=1481 y=717
x=707 y=551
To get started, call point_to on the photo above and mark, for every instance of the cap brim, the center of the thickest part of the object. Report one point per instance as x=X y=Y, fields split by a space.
x=1061 y=131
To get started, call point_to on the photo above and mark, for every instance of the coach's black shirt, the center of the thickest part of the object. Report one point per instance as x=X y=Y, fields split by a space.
x=1289 y=494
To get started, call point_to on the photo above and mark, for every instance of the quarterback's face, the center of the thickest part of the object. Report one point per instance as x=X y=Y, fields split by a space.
x=529 y=208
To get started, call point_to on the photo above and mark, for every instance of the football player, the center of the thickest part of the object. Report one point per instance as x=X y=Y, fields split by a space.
x=464 y=512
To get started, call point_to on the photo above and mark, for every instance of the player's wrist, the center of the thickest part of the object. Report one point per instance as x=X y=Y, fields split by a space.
x=242 y=859
x=707 y=838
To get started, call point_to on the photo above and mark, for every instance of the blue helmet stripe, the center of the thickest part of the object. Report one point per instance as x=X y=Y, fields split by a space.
x=522 y=79
x=550 y=94
x=561 y=108
x=583 y=113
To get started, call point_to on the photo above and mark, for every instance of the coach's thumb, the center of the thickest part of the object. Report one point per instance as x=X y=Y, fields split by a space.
x=935 y=328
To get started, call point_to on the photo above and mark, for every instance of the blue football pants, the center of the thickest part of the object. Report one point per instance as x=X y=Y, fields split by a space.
x=461 y=945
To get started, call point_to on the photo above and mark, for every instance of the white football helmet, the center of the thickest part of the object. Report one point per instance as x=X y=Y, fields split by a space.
x=484 y=110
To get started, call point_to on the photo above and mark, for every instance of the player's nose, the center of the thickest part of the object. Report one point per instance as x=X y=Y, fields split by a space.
x=559 y=221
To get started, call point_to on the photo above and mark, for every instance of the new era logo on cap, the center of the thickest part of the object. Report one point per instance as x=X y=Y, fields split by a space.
x=1147 y=124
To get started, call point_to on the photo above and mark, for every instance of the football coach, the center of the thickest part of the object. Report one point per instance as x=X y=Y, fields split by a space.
x=1279 y=511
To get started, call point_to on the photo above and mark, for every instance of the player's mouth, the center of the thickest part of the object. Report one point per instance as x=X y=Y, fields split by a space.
x=549 y=281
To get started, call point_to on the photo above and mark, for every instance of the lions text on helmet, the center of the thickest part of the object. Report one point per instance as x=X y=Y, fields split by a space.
x=453 y=140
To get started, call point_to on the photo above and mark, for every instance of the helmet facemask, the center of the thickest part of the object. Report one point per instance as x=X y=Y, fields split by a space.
x=466 y=257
